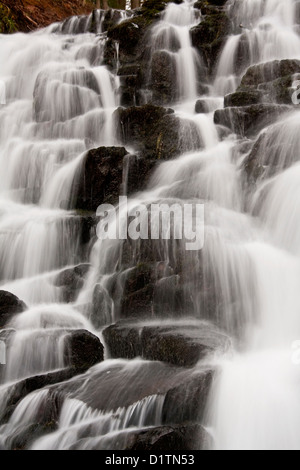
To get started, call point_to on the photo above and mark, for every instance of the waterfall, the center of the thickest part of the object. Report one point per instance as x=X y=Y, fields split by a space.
x=263 y=30
x=60 y=93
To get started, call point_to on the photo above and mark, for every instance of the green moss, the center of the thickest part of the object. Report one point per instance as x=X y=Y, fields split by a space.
x=151 y=9
x=7 y=21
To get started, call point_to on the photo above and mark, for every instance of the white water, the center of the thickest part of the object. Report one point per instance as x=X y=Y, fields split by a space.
x=172 y=34
x=268 y=32
x=250 y=260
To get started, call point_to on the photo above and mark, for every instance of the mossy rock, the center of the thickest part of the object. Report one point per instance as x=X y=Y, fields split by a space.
x=152 y=9
x=243 y=97
x=267 y=83
x=269 y=72
x=209 y=36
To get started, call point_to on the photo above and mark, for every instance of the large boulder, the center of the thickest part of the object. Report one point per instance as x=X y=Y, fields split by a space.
x=10 y=305
x=193 y=394
x=182 y=344
x=156 y=132
x=247 y=121
x=71 y=280
x=83 y=350
x=100 y=179
x=169 y=439
x=275 y=149
x=270 y=82
x=153 y=289
x=19 y=390
x=130 y=35
x=209 y=36
x=270 y=71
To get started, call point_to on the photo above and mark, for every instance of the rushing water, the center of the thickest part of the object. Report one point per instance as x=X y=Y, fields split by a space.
x=57 y=102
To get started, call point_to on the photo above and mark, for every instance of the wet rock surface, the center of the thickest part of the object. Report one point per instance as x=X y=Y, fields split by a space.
x=270 y=82
x=10 y=305
x=169 y=438
x=210 y=35
x=101 y=178
x=181 y=344
x=83 y=350
x=247 y=121
x=71 y=281
x=155 y=132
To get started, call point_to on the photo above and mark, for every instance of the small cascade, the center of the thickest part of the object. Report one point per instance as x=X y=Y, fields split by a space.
x=171 y=36
x=263 y=30
x=82 y=428
x=222 y=211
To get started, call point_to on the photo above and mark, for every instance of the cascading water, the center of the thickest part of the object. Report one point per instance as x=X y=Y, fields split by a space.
x=263 y=30
x=57 y=102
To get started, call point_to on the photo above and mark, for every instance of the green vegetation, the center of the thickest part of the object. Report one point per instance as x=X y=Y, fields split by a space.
x=7 y=21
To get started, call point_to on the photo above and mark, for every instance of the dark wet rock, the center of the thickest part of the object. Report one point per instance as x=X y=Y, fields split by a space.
x=137 y=299
x=21 y=389
x=279 y=91
x=71 y=281
x=132 y=46
x=130 y=84
x=152 y=289
x=201 y=107
x=275 y=150
x=158 y=287
x=88 y=224
x=140 y=380
x=140 y=171
x=10 y=305
x=243 y=98
x=207 y=5
x=169 y=439
x=111 y=18
x=209 y=36
x=83 y=350
x=100 y=179
x=187 y=402
x=181 y=344
x=156 y=132
x=270 y=82
x=163 y=77
x=269 y=72
x=247 y=121
x=137 y=123
x=45 y=420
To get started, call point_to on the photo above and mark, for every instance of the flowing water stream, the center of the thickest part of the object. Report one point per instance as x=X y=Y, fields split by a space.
x=250 y=257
